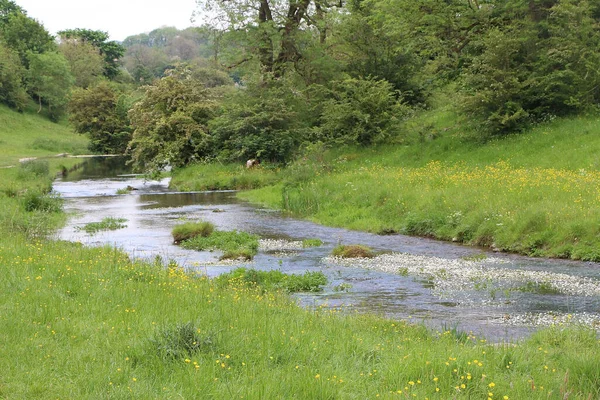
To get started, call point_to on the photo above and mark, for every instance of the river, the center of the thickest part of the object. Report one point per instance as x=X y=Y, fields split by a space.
x=498 y=297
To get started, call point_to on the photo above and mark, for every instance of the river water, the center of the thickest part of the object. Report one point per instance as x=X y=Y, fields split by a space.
x=442 y=285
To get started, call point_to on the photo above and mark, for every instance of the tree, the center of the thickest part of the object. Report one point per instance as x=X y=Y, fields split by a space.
x=50 y=80
x=85 y=61
x=273 y=27
x=110 y=50
x=12 y=91
x=24 y=35
x=170 y=123
x=101 y=113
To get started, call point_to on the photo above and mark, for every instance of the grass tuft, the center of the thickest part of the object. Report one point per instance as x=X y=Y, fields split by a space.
x=107 y=224
x=190 y=230
x=353 y=251
x=234 y=244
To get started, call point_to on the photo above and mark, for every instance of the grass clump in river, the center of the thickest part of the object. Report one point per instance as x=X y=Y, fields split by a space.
x=307 y=243
x=275 y=280
x=353 y=251
x=107 y=224
x=190 y=230
x=234 y=244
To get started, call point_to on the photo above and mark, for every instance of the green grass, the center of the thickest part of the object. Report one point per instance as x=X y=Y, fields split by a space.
x=233 y=244
x=307 y=243
x=274 y=280
x=190 y=230
x=31 y=135
x=88 y=323
x=221 y=177
x=534 y=193
x=107 y=224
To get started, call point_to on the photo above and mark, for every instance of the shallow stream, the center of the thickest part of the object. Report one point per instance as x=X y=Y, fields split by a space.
x=443 y=285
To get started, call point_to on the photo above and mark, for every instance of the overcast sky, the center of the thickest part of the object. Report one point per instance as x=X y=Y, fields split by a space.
x=120 y=18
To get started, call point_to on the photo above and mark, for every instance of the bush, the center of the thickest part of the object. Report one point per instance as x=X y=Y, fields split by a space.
x=190 y=230
x=360 y=111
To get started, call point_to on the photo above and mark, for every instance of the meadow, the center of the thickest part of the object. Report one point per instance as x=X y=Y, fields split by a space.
x=90 y=323
x=534 y=193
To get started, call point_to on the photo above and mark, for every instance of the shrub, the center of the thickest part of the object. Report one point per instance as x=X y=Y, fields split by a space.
x=353 y=251
x=190 y=230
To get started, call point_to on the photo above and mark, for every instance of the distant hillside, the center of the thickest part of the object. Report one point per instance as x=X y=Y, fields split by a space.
x=33 y=135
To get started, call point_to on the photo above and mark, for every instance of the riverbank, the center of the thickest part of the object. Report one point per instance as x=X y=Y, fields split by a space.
x=533 y=194
x=84 y=322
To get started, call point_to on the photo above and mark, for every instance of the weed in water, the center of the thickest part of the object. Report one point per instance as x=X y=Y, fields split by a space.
x=190 y=230
x=539 y=288
x=353 y=251
x=107 y=224
x=342 y=287
x=306 y=243
x=234 y=244
x=475 y=257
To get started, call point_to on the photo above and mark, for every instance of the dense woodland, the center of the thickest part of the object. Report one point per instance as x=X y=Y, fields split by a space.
x=263 y=79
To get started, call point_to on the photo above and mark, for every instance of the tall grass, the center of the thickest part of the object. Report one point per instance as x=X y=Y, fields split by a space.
x=533 y=194
x=88 y=323
x=222 y=177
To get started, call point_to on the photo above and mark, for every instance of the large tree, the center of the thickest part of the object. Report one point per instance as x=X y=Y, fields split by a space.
x=170 y=122
x=110 y=50
x=101 y=113
x=87 y=65
x=49 y=80
x=273 y=27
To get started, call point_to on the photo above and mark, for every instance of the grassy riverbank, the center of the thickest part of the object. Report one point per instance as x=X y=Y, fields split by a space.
x=31 y=135
x=535 y=193
x=89 y=323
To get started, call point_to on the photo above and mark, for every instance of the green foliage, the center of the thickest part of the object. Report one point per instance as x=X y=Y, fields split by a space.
x=49 y=79
x=170 y=123
x=537 y=66
x=25 y=35
x=12 y=91
x=190 y=230
x=274 y=280
x=101 y=113
x=360 y=111
x=213 y=176
x=259 y=122
x=353 y=251
x=110 y=50
x=233 y=244
x=107 y=224
x=86 y=63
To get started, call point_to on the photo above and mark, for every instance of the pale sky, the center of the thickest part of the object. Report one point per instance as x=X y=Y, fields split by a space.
x=120 y=18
